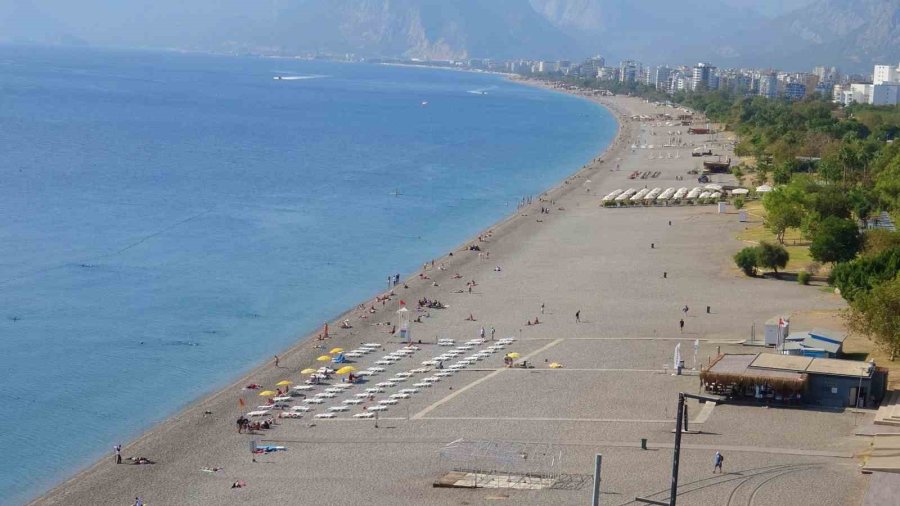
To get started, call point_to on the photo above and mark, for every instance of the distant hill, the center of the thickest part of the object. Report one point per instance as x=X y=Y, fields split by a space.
x=793 y=34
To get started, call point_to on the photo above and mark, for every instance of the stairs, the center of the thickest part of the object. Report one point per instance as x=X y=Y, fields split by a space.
x=889 y=412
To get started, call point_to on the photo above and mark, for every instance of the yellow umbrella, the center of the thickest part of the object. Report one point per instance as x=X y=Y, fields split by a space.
x=513 y=355
x=336 y=350
x=282 y=383
x=308 y=370
x=346 y=369
x=555 y=365
x=324 y=358
x=266 y=393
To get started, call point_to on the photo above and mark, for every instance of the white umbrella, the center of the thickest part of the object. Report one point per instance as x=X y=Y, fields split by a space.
x=677 y=355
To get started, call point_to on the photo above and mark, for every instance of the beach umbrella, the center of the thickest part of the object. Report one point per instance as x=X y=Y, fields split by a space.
x=336 y=350
x=324 y=358
x=282 y=383
x=308 y=370
x=346 y=369
x=513 y=355
x=266 y=393
x=555 y=365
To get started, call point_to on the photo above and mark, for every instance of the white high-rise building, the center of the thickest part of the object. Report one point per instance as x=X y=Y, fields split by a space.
x=702 y=75
x=886 y=74
x=885 y=89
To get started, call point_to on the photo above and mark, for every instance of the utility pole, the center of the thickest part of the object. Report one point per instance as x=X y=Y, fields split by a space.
x=598 y=462
x=676 y=454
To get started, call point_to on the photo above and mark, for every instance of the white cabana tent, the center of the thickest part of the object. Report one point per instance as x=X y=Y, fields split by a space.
x=763 y=189
x=740 y=191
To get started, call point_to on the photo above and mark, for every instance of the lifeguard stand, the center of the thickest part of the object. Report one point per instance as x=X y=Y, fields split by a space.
x=403 y=325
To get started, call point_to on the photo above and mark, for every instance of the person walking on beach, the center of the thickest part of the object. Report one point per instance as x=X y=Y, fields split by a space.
x=481 y=333
x=277 y=361
x=493 y=331
x=542 y=308
x=118 y=449
x=685 y=310
x=718 y=459
x=681 y=325
x=578 y=316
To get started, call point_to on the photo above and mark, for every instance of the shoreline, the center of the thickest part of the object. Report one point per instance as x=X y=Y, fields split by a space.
x=293 y=353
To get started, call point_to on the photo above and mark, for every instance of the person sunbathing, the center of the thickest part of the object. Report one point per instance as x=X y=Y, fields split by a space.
x=471 y=318
x=140 y=460
x=238 y=484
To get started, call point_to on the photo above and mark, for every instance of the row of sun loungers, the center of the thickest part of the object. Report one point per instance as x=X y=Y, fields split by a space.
x=659 y=195
x=380 y=396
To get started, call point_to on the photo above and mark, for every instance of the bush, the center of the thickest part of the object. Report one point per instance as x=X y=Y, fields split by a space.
x=747 y=259
x=803 y=277
x=738 y=202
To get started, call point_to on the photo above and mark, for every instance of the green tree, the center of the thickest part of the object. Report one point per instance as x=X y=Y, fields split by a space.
x=877 y=315
x=772 y=256
x=782 y=212
x=835 y=240
x=739 y=202
x=746 y=259
x=858 y=277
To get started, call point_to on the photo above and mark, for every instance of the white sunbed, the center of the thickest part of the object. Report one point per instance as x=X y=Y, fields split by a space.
x=388 y=401
x=409 y=391
x=261 y=412
x=291 y=414
x=352 y=401
x=300 y=408
x=377 y=369
x=442 y=374
x=314 y=400
x=325 y=415
x=422 y=384
x=364 y=415
x=335 y=409
x=378 y=408
x=325 y=395
x=386 y=384
x=374 y=390
x=303 y=388
x=333 y=390
x=400 y=396
x=343 y=386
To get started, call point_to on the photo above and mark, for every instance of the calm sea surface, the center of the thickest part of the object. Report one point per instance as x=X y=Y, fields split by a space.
x=169 y=221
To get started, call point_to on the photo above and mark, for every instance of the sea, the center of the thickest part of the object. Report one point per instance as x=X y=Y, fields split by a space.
x=169 y=221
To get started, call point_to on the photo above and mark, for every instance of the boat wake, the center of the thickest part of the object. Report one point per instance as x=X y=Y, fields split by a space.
x=481 y=91
x=299 y=78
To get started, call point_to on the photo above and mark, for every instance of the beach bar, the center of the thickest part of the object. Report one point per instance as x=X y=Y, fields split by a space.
x=792 y=379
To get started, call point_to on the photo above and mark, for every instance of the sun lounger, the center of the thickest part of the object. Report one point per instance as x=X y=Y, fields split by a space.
x=325 y=415
x=422 y=384
x=409 y=391
x=374 y=390
x=303 y=388
x=378 y=408
x=261 y=412
x=352 y=401
x=334 y=409
x=442 y=374
x=314 y=400
x=377 y=369
x=400 y=396
x=325 y=395
x=291 y=414
x=333 y=390
x=388 y=401
x=300 y=408
x=283 y=399
x=364 y=415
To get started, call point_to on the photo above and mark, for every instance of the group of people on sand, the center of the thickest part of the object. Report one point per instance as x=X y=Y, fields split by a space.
x=536 y=322
x=431 y=304
x=244 y=424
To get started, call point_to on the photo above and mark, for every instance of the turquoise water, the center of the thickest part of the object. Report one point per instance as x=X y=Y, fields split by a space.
x=169 y=221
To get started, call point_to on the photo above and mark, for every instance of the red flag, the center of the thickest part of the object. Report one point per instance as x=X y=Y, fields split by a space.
x=402 y=303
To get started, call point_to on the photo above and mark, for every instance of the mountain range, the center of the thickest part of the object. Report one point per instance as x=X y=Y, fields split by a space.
x=793 y=34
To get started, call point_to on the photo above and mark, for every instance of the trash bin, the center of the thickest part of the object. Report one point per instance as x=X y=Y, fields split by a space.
x=643 y=443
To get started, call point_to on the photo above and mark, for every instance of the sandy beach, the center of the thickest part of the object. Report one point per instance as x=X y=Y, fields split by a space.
x=614 y=387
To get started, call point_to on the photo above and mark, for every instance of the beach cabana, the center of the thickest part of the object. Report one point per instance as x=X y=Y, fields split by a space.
x=763 y=189
x=740 y=191
x=680 y=194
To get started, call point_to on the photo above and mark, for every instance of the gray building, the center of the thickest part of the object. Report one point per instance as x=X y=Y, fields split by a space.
x=789 y=379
